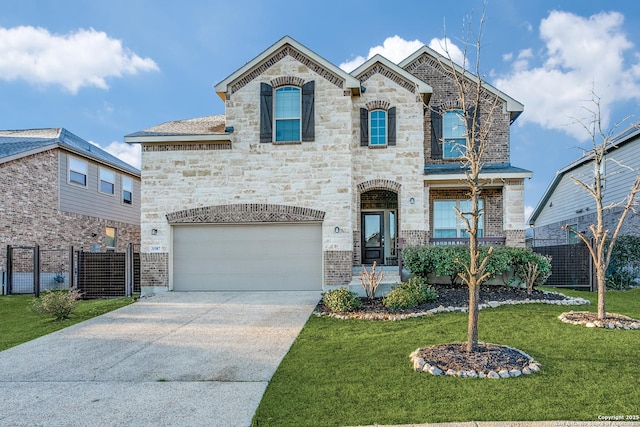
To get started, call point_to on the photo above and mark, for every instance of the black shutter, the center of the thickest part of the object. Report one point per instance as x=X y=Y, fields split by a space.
x=436 y=134
x=308 y=120
x=266 y=112
x=364 y=127
x=391 y=126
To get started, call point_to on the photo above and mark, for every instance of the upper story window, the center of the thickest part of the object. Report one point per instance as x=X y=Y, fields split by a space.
x=78 y=170
x=454 y=134
x=378 y=127
x=287 y=113
x=127 y=190
x=447 y=224
x=107 y=181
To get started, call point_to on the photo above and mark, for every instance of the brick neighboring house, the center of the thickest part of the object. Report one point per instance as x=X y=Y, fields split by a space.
x=314 y=171
x=564 y=202
x=59 y=190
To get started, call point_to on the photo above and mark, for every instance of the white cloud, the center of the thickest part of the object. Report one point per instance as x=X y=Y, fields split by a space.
x=580 y=54
x=528 y=210
x=74 y=60
x=129 y=153
x=449 y=49
x=395 y=49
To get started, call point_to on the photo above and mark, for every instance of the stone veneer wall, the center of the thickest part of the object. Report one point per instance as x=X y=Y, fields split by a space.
x=29 y=214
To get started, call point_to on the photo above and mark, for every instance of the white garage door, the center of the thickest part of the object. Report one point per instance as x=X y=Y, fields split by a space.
x=247 y=257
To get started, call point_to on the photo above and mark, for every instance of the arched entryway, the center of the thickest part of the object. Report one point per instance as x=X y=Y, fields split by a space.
x=378 y=227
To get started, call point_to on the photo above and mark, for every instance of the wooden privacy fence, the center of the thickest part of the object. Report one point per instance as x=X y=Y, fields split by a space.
x=31 y=270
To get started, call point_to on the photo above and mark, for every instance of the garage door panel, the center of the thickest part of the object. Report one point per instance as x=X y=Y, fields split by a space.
x=247 y=257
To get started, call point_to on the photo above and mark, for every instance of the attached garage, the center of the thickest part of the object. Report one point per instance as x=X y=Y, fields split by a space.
x=247 y=257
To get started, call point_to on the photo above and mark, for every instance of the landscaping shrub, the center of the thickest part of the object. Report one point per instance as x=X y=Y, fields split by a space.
x=409 y=294
x=625 y=263
x=56 y=304
x=341 y=300
x=449 y=261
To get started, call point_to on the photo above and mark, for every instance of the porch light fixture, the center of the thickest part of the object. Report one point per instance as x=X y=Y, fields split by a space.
x=412 y=200
x=154 y=231
x=336 y=230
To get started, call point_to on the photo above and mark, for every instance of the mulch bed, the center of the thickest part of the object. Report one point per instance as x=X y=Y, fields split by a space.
x=611 y=320
x=489 y=357
x=452 y=296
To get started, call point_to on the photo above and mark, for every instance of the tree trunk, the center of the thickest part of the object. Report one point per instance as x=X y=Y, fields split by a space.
x=472 y=330
x=602 y=288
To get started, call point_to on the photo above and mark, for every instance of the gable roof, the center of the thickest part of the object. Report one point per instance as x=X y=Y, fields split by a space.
x=350 y=82
x=627 y=136
x=513 y=107
x=196 y=129
x=418 y=85
x=15 y=144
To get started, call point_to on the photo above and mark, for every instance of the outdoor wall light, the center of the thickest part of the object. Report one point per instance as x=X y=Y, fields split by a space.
x=94 y=234
x=154 y=231
x=412 y=200
x=336 y=230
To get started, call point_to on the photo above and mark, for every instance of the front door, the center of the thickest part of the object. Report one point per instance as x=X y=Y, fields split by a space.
x=373 y=237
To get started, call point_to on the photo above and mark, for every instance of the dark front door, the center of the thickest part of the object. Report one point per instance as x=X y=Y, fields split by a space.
x=373 y=237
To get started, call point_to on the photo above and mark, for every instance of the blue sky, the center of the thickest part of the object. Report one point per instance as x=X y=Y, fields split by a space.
x=103 y=70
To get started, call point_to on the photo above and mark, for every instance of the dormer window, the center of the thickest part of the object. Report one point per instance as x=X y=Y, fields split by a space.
x=378 y=127
x=287 y=114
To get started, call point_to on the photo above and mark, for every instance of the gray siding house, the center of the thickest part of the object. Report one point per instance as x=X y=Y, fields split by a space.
x=313 y=172
x=59 y=190
x=564 y=203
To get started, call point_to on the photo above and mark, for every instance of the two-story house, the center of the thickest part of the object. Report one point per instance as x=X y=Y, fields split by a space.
x=565 y=203
x=312 y=171
x=58 y=190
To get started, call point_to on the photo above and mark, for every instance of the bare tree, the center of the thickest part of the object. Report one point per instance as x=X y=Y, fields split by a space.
x=473 y=102
x=603 y=239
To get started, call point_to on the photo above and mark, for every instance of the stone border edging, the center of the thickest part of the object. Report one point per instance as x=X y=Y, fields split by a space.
x=441 y=309
x=420 y=365
x=616 y=324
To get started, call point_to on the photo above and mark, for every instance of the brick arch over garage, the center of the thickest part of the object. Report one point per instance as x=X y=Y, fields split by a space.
x=364 y=187
x=245 y=213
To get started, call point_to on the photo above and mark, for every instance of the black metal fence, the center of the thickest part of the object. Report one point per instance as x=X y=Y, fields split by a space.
x=31 y=270
x=571 y=265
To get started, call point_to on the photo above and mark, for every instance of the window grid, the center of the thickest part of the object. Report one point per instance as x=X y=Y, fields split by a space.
x=378 y=127
x=288 y=105
x=454 y=132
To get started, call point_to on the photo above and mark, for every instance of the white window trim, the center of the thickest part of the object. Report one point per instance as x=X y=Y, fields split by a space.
x=459 y=222
x=71 y=159
x=113 y=183
x=386 y=129
x=130 y=190
x=459 y=145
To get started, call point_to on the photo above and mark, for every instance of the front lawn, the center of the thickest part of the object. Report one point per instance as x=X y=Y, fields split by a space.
x=18 y=324
x=357 y=372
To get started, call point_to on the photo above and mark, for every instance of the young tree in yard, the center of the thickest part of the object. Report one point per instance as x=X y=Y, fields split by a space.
x=473 y=102
x=603 y=239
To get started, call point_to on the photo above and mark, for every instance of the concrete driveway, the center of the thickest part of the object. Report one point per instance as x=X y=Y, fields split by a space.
x=174 y=359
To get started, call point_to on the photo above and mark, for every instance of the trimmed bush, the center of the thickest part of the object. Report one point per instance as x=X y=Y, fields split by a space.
x=57 y=304
x=625 y=263
x=341 y=300
x=409 y=294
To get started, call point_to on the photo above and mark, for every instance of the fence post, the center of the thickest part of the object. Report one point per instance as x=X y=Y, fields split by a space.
x=128 y=271
x=36 y=271
x=71 y=268
x=9 y=269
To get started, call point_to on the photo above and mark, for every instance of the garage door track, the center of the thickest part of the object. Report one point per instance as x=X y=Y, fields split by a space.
x=174 y=359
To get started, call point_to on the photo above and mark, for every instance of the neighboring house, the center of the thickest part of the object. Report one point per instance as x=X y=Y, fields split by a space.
x=313 y=171
x=59 y=190
x=565 y=203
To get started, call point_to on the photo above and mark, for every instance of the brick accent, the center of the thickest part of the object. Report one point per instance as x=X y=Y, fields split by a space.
x=379 y=184
x=186 y=146
x=337 y=267
x=391 y=75
x=377 y=105
x=414 y=237
x=286 y=50
x=245 y=213
x=287 y=81
x=514 y=238
x=154 y=269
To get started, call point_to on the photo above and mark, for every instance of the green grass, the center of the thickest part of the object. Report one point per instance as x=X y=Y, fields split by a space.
x=18 y=324
x=358 y=372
